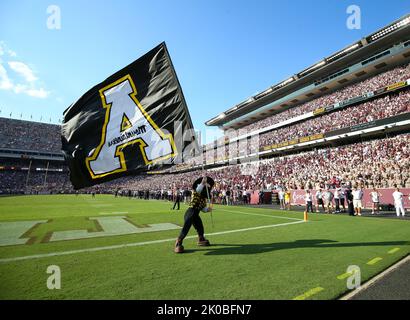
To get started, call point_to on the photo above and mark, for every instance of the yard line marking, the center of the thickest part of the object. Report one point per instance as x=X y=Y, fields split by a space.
x=374 y=261
x=309 y=293
x=393 y=250
x=137 y=212
x=344 y=275
x=105 y=213
x=260 y=214
x=135 y=244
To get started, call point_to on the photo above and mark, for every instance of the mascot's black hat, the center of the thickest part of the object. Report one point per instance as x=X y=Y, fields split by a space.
x=209 y=181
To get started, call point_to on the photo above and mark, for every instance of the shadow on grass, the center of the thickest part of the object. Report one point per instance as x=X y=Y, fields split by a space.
x=225 y=249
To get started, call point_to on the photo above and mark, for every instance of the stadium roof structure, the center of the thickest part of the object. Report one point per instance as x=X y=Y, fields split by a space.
x=370 y=55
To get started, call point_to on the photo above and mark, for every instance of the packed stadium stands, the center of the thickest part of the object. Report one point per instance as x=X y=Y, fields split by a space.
x=27 y=135
x=380 y=108
x=397 y=74
x=377 y=163
x=354 y=131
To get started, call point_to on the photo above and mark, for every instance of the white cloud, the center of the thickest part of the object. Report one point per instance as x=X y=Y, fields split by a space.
x=23 y=69
x=30 y=84
x=38 y=93
x=5 y=50
x=5 y=82
x=19 y=88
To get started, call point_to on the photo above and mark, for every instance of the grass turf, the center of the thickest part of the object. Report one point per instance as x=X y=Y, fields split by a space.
x=280 y=262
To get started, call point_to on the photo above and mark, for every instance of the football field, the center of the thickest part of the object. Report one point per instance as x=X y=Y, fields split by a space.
x=120 y=248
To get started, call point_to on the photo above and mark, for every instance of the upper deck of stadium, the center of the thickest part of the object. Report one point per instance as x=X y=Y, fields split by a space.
x=375 y=53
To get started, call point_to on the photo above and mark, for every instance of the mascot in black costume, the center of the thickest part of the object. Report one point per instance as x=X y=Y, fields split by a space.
x=201 y=193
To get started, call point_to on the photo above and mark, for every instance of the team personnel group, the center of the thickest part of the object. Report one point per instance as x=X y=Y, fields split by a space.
x=341 y=200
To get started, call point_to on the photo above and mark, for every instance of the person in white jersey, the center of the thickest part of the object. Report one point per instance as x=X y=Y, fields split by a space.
x=357 y=201
x=375 y=195
x=338 y=195
x=281 y=195
x=399 y=202
x=308 y=201
x=319 y=200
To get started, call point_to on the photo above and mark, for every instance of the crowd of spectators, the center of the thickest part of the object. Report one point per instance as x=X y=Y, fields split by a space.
x=15 y=182
x=376 y=163
x=397 y=74
x=384 y=107
x=378 y=108
x=381 y=163
x=28 y=135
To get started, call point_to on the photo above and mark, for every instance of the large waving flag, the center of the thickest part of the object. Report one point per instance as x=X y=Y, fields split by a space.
x=135 y=121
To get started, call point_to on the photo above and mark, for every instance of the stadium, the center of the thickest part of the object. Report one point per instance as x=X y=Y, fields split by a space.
x=338 y=128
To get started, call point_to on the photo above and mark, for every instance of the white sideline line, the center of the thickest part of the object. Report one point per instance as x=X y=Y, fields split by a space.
x=259 y=214
x=135 y=244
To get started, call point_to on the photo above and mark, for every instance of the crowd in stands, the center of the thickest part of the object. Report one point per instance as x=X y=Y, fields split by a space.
x=384 y=107
x=397 y=74
x=18 y=182
x=379 y=108
x=381 y=163
x=27 y=135
x=377 y=163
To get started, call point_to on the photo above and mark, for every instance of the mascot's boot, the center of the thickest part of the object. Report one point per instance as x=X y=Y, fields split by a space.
x=179 y=248
x=202 y=242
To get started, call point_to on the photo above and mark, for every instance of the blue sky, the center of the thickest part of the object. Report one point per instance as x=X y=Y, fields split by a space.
x=224 y=51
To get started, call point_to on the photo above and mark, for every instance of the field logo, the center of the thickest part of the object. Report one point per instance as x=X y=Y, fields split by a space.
x=54 y=281
x=354 y=20
x=111 y=226
x=126 y=123
x=18 y=232
x=353 y=281
x=23 y=232
x=54 y=18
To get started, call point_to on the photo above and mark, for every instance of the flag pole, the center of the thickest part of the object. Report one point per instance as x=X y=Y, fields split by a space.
x=210 y=205
x=209 y=198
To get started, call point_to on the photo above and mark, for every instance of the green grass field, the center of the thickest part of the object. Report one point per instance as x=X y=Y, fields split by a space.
x=255 y=253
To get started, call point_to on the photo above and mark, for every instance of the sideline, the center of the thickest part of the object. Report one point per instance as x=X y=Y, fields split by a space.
x=373 y=280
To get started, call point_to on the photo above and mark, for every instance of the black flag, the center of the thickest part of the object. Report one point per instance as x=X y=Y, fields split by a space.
x=135 y=121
